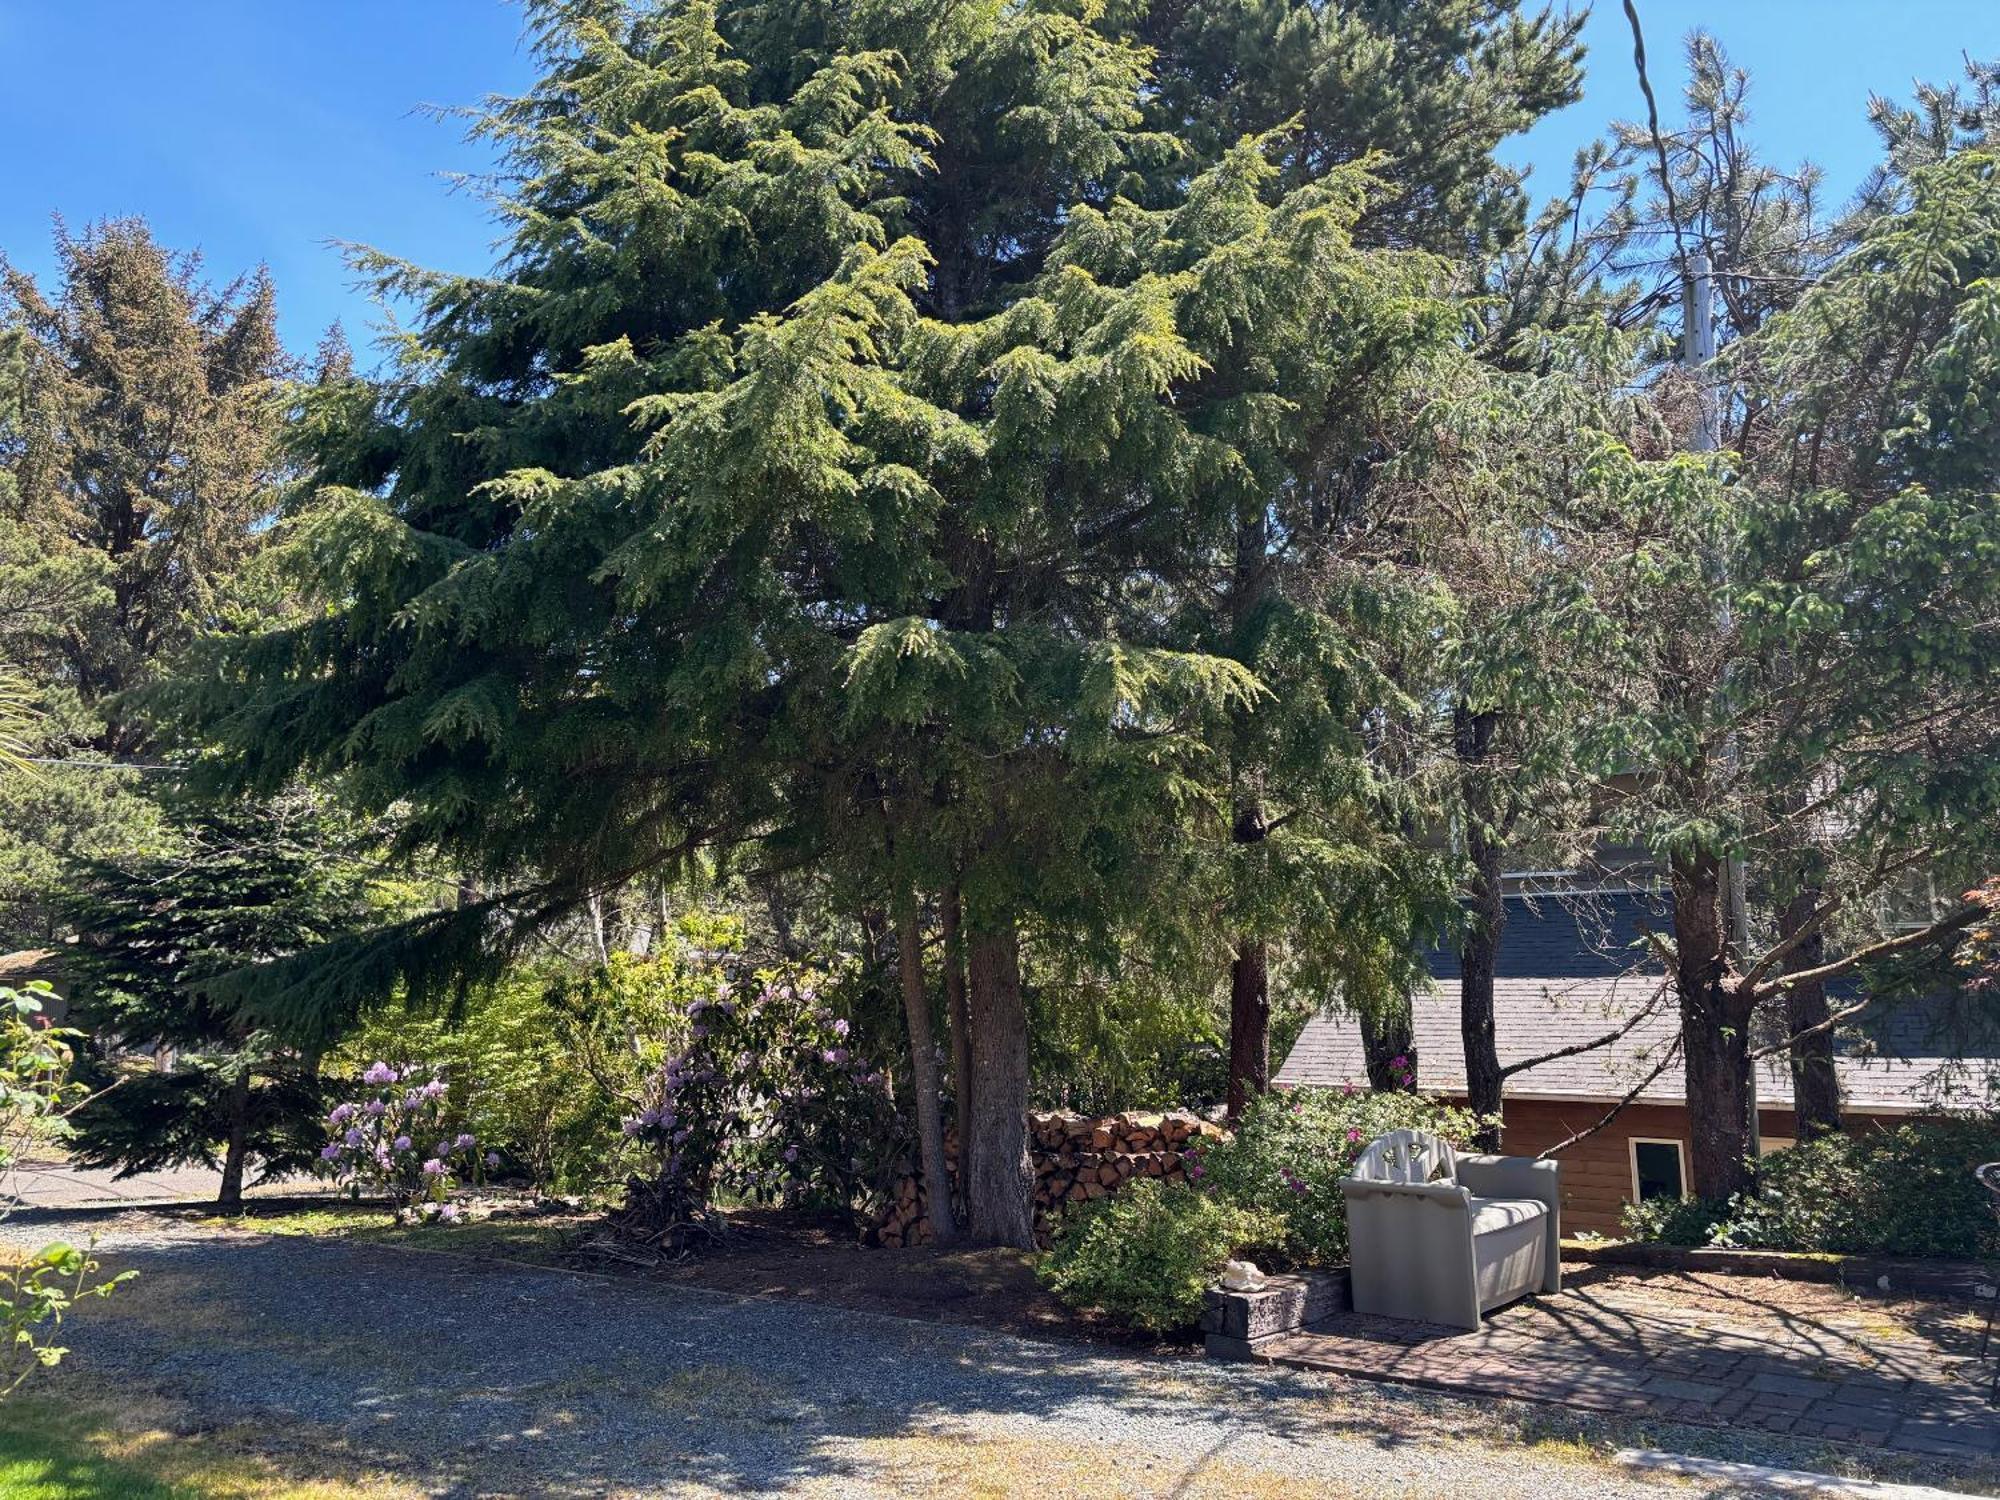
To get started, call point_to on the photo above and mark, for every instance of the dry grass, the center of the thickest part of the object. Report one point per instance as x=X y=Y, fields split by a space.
x=67 y=1447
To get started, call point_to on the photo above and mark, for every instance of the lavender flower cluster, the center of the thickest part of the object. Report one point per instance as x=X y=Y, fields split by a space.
x=394 y=1142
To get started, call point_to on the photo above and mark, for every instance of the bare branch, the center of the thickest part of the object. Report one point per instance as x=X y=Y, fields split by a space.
x=1644 y=1012
x=1617 y=1109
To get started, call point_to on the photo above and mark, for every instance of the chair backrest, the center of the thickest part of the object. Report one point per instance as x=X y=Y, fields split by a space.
x=1406 y=1156
x=1989 y=1178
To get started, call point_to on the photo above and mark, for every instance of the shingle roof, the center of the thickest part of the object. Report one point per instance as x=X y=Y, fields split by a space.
x=1536 y=1016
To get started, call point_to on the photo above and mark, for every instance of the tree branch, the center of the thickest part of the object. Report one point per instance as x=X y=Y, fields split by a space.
x=1641 y=1014
x=1617 y=1109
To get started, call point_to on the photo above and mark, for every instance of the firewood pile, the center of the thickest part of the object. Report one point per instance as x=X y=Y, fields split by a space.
x=1076 y=1159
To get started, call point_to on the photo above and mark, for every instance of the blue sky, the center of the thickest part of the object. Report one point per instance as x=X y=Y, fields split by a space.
x=261 y=131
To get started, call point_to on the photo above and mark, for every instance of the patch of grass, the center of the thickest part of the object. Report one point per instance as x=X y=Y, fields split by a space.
x=538 y=1241
x=51 y=1450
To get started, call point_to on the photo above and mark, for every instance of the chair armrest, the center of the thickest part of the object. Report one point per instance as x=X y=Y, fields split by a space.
x=1522 y=1177
x=1512 y=1177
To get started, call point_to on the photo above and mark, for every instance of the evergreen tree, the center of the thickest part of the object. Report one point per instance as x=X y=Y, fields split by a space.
x=143 y=446
x=163 y=940
x=835 y=432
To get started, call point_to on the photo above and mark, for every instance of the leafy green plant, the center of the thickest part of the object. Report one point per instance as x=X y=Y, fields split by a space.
x=1674 y=1221
x=37 y=1291
x=1146 y=1254
x=1291 y=1150
x=1906 y=1191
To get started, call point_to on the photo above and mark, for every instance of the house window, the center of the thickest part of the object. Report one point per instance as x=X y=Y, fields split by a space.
x=1658 y=1170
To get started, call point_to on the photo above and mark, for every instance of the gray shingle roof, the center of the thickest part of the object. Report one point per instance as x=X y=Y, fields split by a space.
x=1536 y=1016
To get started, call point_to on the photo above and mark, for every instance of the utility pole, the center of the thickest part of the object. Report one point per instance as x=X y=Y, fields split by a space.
x=1698 y=359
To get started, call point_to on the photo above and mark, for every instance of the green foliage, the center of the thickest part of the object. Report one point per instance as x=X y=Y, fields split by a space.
x=38 y=1289
x=1904 y=1191
x=1146 y=1254
x=171 y=941
x=536 y=1078
x=1668 y=1220
x=1291 y=1150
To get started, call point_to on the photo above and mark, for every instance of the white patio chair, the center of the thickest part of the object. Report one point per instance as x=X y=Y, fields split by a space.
x=1440 y=1238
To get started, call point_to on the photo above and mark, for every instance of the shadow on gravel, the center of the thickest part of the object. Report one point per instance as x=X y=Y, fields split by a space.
x=467 y=1377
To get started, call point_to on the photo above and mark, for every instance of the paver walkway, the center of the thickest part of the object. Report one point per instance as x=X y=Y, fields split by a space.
x=1812 y=1362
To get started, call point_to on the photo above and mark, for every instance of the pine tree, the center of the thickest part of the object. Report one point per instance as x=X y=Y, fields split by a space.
x=837 y=447
x=163 y=942
x=143 y=448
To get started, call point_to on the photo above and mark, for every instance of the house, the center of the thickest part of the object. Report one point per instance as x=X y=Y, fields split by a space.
x=1573 y=969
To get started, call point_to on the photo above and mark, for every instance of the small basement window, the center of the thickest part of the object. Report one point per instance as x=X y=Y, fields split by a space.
x=1658 y=1170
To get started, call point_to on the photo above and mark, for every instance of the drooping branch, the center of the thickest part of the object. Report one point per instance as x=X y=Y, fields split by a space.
x=1644 y=1012
x=1666 y=1061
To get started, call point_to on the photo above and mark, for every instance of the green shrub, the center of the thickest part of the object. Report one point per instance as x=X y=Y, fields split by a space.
x=1674 y=1221
x=1146 y=1254
x=1906 y=1191
x=1291 y=1150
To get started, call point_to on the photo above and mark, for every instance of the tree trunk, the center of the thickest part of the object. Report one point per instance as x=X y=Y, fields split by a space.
x=955 y=1008
x=1249 y=970
x=1715 y=1034
x=1386 y=1042
x=1479 y=953
x=238 y=1143
x=999 y=1181
x=924 y=1072
x=1249 y=1023
x=1815 y=1082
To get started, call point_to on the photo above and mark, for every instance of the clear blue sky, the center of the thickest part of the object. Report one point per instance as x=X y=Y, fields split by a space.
x=261 y=131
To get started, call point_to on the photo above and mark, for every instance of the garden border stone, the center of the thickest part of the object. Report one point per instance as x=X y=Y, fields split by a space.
x=1905 y=1275
x=1236 y=1324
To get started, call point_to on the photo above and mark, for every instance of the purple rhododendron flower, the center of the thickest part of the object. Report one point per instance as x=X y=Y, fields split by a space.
x=791 y=1153
x=433 y=1089
x=402 y=1143
x=492 y=1159
x=329 y=1153
x=353 y=1137
x=434 y=1168
x=630 y=1127
x=379 y=1073
x=448 y=1213
x=840 y=1027
x=464 y=1143
x=375 y=1109
x=835 y=1055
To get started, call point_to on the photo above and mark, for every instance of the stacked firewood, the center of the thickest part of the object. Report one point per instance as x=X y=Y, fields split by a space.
x=1076 y=1159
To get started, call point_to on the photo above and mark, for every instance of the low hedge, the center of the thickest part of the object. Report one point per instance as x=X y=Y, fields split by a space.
x=1903 y=1191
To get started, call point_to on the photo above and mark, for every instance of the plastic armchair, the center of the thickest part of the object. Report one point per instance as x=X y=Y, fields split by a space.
x=1440 y=1238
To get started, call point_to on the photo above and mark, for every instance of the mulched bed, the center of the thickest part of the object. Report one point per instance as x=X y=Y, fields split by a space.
x=771 y=1253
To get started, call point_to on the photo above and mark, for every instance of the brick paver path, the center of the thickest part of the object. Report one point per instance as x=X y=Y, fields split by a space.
x=1736 y=1352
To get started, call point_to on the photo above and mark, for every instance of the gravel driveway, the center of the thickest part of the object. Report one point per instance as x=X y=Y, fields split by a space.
x=475 y=1379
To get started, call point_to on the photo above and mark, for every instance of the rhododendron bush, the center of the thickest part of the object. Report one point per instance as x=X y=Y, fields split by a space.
x=395 y=1141
x=773 y=1098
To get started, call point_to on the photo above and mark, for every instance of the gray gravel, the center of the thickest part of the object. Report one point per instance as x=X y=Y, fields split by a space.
x=472 y=1379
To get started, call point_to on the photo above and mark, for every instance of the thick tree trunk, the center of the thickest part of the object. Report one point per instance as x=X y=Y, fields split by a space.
x=924 y=1072
x=999 y=1181
x=1715 y=1035
x=1815 y=1082
x=955 y=1009
x=1389 y=1047
x=237 y=1146
x=1479 y=953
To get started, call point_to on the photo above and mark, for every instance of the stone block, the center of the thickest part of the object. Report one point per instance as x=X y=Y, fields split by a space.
x=1235 y=1322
